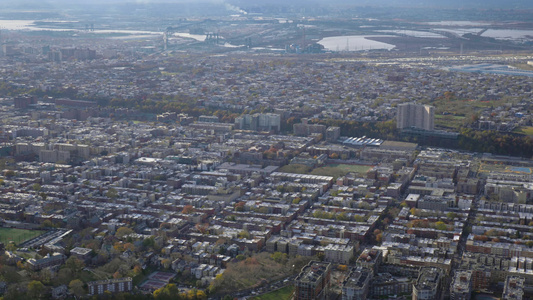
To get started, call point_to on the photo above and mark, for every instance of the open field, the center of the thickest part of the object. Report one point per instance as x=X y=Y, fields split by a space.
x=281 y=294
x=295 y=168
x=334 y=170
x=17 y=235
x=337 y=170
x=523 y=67
x=487 y=168
x=453 y=113
x=449 y=121
x=527 y=130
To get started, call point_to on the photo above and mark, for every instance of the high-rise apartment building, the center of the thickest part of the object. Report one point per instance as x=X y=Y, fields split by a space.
x=313 y=281
x=415 y=115
x=261 y=122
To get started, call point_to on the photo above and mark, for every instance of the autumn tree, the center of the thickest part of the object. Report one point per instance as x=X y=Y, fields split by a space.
x=188 y=209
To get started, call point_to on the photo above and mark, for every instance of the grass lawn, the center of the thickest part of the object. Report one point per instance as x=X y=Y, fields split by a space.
x=337 y=170
x=524 y=67
x=527 y=130
x=334 y=170
x=295 y=168
x=86 y=276
x=452 y=113
x=144 y=274
x=17 y=235
x=449 y=121
x=281 y=294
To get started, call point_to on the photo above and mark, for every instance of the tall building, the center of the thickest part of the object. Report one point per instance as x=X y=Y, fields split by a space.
x=356 y=286
x=461 y=287
x=514 y=288
x=428 y=286
x=119 y=285
x=260 y=122
x=313 y=281
x=306 y=129
x=415 y=115
x=333 y=133
x=25 y=101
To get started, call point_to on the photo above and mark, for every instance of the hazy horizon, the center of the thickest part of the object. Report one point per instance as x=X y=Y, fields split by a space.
x=480 y=4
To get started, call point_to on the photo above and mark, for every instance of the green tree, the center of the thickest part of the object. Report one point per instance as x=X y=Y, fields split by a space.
x=74 y=264
x=451 y=215
x=112 y=193
x=35 y=289
x=343 y=216
x=123 y=231
x=76 y=287
x=36 y=187
x=440 y=225
x=170 y=291
x=11 y=246
x=279 y=257
x=244 y=234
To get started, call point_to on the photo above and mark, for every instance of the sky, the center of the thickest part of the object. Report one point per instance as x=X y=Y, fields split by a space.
x=449 y=4
x=472 y=3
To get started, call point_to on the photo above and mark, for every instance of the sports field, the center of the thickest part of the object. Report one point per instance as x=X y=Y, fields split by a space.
x=337 y=170
x=487 y=168
x=281 y=294
x=334 y=170
x=17 y=235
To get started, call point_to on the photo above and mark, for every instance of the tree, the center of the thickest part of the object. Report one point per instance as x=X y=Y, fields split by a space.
x=244 y=234
x=188 y=209
x=441 y=225
x=359 y=218
x=166 y=263
x=334 y=156
x=200 y=295
x=414 y=211
x=343 y=216
x=137 y=270
x=35 y=289
x=170 y=291
x=75 y=264
x=240 y=206
x=36 y=187
x=45 y=275
x=11 y=247
x=202 y=228
x=64 y=275
x=43 y=195
x=112 y=193
x=451 y=215
x=364 y=205
x=123 y=231
x=279 y=257
x=321 y=256
x=379 y=238
x=76 y=287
